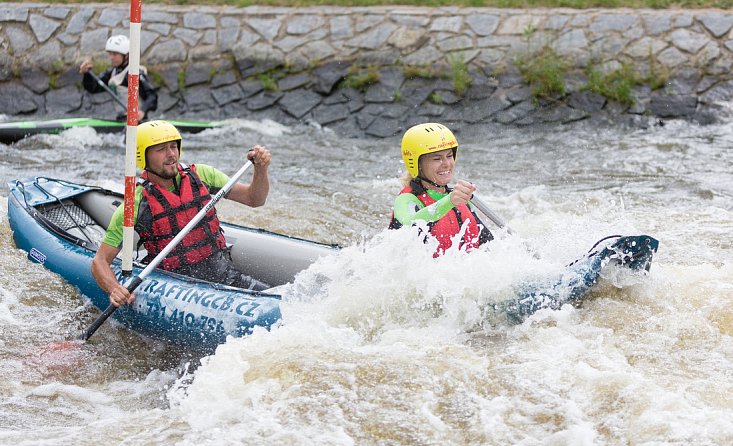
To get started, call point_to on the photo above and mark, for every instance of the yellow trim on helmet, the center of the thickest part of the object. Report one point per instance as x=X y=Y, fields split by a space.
x=151 y=133
x=426 y=138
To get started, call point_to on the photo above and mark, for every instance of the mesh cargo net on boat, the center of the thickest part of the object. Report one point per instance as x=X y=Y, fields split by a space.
x=68 y=216
x=76 y=221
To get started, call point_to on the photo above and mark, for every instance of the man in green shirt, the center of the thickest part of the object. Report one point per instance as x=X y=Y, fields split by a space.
x=170 y=195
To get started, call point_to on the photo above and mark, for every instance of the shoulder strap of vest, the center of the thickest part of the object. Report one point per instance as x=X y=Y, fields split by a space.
x=416 y=187
x=191 y=172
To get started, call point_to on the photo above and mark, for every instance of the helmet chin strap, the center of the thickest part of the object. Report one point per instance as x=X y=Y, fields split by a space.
x=432 y=183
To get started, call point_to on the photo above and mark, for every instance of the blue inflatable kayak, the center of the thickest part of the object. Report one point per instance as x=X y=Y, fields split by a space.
x=60 y=224
x=633 y=252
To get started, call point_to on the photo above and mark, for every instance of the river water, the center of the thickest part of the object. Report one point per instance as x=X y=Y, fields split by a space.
x=381 y=344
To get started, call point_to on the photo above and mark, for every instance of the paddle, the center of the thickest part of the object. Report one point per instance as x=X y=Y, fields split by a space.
x=135 y=281
x=481 y=206
x=107 y=89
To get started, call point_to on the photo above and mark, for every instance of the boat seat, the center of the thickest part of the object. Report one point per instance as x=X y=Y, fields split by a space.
x=99 y=206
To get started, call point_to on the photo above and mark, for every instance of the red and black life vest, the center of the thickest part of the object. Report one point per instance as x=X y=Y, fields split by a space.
x=162 y=214
x=443 y=229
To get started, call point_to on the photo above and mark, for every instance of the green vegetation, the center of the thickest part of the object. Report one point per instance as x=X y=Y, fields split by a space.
x=577 y=4
x=156 y=78
x=415 y=72
x=616 y=86
x=360 y=78
x=99 y=65
x=658 y=74
x=54 y=73
x=544 y=71
x=459 y=74
x=267 y=81
x=397 y=95
x=182 y=80
x=435 y=98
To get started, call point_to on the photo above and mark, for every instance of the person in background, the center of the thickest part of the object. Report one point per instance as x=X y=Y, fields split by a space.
x=118 y=49
x=429 y=152
x=169 y=195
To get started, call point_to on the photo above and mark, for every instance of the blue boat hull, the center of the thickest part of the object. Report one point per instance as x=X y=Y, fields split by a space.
x=202 y=314
x=632 y=252
x=168 y=306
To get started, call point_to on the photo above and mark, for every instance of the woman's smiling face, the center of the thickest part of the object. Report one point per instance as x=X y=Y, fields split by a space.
x=437 y=166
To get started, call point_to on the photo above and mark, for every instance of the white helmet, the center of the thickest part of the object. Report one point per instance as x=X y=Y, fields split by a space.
x=118 y=44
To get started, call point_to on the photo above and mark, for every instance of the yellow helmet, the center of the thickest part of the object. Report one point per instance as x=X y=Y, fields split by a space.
x=425 y=138
x=151 y=133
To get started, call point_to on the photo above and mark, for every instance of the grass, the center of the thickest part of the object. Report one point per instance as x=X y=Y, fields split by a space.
x=459 y=74
x=267 y=81
x=544 y=72
x=577 y=4
x=616 y=86
x=435 y=98
x=360 y=78
x=418 y=72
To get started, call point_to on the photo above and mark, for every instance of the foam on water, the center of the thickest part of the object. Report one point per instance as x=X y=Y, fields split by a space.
x=381 y=344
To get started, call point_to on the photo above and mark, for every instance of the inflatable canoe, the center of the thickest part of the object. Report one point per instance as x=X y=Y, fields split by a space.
x=60 y=224
x=11 y=132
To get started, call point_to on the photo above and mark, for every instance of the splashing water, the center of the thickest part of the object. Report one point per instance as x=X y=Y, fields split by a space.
x=380 y=343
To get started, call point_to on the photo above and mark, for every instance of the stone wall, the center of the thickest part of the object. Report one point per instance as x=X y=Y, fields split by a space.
x=314 y=64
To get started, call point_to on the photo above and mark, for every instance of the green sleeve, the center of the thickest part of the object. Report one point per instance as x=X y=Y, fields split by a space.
x=408 y=209
x=212 y=177
x=113 y=236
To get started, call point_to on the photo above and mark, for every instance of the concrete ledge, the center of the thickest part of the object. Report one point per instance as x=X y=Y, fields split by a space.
x=313 y=64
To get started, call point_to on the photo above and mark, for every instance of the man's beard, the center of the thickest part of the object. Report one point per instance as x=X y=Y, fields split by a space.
x=164 y=175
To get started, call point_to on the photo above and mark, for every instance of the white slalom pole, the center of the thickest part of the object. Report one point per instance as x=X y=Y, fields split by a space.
x=133 y=86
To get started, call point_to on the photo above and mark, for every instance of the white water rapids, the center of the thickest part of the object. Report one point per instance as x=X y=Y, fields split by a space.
x=382 y=345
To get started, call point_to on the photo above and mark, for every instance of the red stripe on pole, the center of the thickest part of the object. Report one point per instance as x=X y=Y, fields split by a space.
x=133 y=85
x=135 y=9
x=129 y=217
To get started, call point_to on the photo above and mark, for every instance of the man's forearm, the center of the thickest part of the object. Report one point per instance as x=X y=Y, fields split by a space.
x=259 y=188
